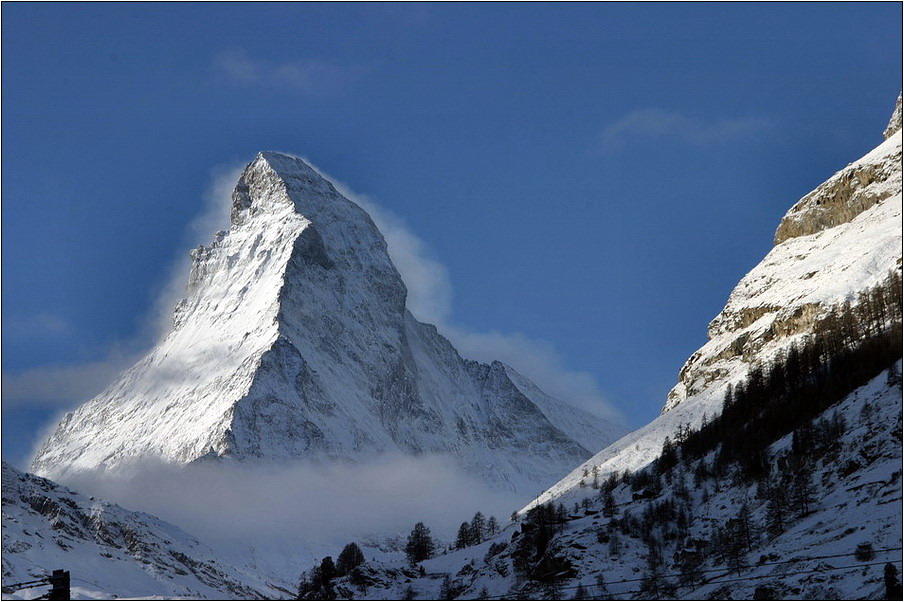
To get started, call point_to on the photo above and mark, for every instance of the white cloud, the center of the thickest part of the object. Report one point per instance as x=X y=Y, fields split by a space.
x=62 y=385
x=659 y=124
x=305 y=75
x=313 y=505
x=41 y=324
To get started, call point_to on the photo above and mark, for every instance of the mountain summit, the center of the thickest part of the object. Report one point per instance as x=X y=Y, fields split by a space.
x=294 y=342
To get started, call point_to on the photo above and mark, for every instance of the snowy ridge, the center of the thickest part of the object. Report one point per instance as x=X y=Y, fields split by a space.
x=846 y=194
x=110 y=551
x=775 y=305
x=294 y=342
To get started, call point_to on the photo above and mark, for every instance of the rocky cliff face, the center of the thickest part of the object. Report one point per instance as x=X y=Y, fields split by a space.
x=842 y=238
x=849 y=192
x=294 y=342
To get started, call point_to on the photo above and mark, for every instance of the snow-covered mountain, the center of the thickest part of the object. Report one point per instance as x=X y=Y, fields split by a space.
x=294 y=342
x=836 y=242
x=110 y=550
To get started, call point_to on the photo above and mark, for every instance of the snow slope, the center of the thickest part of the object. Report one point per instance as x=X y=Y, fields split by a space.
x=857 y=493
x=111 y=551
x=780 y=300
x=294 y=342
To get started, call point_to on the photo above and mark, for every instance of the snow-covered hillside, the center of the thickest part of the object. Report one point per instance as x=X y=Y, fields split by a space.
x=855 y=501
x=111 y=551
x=780 y=301
x=294 y=342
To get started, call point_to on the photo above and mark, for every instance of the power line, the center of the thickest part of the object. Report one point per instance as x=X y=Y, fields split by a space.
x=722 y=569
x=48 y=571
x=752 y=578
x=757 y=577
x=89 y=583
x=806 y=572
x=11 y=587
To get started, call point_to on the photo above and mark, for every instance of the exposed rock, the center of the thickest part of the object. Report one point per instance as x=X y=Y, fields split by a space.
x=843 y=237
x=849 y=192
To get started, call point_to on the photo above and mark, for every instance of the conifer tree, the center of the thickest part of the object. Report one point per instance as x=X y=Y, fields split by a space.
x=608 y=503
x=350 y=557
x=492 y=526
x=776 y=507
x=802 y=488
x=893 y=587
x=478 y=528
x=327 y=569
x=748 y=530
x=463 y=539
x=420 y=544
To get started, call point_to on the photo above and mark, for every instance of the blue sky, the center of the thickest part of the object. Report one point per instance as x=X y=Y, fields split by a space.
x=594 y=179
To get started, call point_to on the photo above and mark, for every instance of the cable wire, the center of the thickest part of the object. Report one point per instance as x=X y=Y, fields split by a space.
x=725 y=569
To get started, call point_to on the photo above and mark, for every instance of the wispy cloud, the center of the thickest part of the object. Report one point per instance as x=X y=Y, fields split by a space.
x=663 y=124
x=309 y=503
x=214 y=216
x=42 y=324
x=540 y=361
x=311 y=76
x=62 y=385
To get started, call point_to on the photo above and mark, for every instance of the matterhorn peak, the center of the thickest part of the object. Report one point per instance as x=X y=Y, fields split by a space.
x=294 y=343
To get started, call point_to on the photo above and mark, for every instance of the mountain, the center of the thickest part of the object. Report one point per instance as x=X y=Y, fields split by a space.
x=840 y=240
x=294 y=342
x=110 y=550
x=774 y=470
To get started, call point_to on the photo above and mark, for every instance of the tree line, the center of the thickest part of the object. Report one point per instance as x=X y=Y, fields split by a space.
x=318 y=582
x=850 y=345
